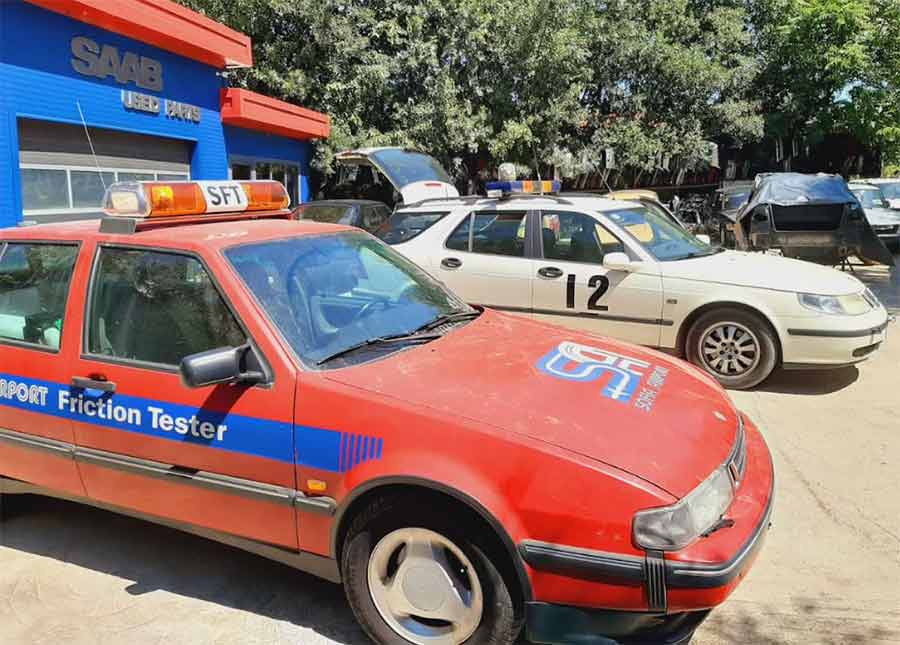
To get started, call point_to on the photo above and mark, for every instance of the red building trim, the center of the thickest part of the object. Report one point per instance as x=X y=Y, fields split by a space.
x=164 y=24
x=246 y=109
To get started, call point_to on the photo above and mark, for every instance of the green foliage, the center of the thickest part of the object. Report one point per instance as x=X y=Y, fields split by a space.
x=560 y=80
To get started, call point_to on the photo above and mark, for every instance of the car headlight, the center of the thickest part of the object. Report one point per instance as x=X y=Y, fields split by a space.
x=852 y=304
x=672 y=528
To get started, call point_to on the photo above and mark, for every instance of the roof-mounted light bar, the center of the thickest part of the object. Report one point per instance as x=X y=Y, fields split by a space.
x=158 y=199
x=507 y=188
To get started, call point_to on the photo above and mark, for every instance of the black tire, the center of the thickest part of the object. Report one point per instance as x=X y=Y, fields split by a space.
x=763 y=336
x=502 y=619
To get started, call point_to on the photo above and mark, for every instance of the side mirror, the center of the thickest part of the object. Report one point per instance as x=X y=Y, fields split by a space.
x=222 y=365
x=706 y=239
x=619 y=261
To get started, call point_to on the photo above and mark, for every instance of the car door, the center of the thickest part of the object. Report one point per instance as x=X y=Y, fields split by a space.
x=485 y=260
x=219 y=457
x=35 y=306
x=573 y=288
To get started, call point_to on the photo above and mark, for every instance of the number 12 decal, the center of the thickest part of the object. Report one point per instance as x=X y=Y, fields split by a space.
x=600 y=285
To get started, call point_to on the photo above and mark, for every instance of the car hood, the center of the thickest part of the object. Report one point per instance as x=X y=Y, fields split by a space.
x=882 y=216
x=763 y=271
x=635 y=409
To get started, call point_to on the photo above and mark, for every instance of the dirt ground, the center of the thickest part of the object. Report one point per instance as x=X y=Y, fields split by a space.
x=829 y=573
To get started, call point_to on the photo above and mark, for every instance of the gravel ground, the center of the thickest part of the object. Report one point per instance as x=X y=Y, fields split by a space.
x=828 y=573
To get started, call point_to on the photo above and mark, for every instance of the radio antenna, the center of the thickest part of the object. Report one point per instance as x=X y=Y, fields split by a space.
x=90 y=144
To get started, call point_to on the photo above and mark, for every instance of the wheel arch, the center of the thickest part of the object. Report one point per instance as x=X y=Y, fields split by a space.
x=366 y=493
x=693 y=316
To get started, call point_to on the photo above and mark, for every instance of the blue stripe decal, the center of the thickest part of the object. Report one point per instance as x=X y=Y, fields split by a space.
x=316 y=447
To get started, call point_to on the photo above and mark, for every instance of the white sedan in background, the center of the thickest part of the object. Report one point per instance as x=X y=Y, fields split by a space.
x=622 y=270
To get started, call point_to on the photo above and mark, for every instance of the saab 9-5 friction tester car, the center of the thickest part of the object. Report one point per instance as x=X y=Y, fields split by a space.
x=302 y=391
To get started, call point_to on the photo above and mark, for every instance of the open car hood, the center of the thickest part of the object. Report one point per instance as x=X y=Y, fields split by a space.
x=415 y=175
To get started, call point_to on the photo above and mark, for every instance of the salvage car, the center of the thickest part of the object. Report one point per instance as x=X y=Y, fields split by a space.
x=727 y=204
x=362 y=213
x=200 y=359
x=884 y=221
x=810 y=217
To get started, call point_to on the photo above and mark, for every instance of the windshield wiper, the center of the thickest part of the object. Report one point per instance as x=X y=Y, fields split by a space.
x=449 y=318
x=380 y=340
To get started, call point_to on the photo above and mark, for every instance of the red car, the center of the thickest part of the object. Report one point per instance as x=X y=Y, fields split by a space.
x=301 y=391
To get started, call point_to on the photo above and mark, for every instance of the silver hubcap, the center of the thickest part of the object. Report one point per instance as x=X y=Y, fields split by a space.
x=425 y=587
x=729 y=349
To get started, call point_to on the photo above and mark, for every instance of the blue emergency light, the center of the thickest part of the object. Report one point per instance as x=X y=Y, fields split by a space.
x=523 y=187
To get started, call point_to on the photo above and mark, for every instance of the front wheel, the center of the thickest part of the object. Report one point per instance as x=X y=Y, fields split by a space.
x=736 y=347
x=412 y=577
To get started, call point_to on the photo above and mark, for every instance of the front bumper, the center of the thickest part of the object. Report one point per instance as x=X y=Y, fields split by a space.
x=548 y=623
x=832 y=341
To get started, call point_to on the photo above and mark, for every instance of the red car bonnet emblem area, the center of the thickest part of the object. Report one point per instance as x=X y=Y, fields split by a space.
x=628 y=380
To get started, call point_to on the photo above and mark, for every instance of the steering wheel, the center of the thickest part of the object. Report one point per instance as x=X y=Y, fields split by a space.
x=368 y=308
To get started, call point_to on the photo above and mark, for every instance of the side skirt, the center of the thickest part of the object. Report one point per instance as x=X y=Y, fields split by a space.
x=317 y=565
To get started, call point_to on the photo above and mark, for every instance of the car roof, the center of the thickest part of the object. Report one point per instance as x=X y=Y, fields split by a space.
x=343 y=202
x=190 y=237
x=587 y=201
x=857 y=186
x=882 y=180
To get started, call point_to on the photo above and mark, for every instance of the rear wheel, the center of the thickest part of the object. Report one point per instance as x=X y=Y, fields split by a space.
x=735 y=346
x=411 y=576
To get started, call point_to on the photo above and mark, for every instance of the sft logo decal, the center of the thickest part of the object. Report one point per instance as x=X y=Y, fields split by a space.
x=577 y=362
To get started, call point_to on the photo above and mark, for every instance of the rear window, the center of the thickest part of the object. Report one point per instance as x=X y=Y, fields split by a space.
x=404 y=226
x=328 y=213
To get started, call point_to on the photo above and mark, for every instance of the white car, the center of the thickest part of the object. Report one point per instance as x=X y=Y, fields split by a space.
x=619 y=269
x=885 y=222
x=890 y=188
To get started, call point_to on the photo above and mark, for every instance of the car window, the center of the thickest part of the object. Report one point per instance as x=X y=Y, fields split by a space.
x=329 y=213
x=890 y=191
x=156 y=307
x=492 y=232
x=34 y=287
x=374 y=216
x=576 y=237
x=870 y=198
x=327 y=293
x=404 y=226
x=663 y=239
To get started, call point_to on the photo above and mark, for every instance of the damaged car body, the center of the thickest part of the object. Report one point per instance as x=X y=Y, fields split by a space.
x=809 y=217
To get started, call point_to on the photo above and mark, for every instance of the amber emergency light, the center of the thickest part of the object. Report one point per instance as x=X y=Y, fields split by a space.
x=153 y=199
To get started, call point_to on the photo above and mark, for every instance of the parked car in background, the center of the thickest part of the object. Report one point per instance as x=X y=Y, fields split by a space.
x=809 y=217
x=726 y=205
x=361 y=213
x=883 y=220
x=890 y=189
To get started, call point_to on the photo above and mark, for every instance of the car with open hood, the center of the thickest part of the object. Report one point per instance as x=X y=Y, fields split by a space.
x=810 y=217
x=884 y=220
x=201 y=359
x=624 y=270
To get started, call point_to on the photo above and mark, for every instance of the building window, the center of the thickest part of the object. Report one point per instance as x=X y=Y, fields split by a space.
x=63 y=190
x=284 y=173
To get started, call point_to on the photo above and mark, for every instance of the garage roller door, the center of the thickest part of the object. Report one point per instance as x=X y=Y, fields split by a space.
x=60 y=176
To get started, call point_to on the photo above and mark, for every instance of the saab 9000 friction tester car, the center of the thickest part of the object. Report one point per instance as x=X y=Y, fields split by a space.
x=301 y=391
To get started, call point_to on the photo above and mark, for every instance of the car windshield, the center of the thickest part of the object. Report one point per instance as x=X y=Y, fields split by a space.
x=404 y=167
x=870 y=198
x=329 y=213
x=329 y=293
x=664 y=239
x=890 y=191
x=736 y=200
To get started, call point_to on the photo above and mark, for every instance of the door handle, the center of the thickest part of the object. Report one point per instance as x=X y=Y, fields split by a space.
x=550 y=272
x=451 y=263
x=87 y=383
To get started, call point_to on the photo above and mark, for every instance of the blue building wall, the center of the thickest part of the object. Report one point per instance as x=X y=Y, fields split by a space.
x=37 y=81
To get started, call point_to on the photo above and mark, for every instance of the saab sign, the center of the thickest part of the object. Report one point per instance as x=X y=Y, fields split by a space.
x=105 y=61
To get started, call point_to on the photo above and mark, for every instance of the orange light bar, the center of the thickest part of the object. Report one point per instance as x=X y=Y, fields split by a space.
x=174 y=199
x=265 y=195
x=185 y=198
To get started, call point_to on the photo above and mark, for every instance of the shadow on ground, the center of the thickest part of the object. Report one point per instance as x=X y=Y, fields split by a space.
x=159 y=558
x=805 y=621
x=810 y=382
